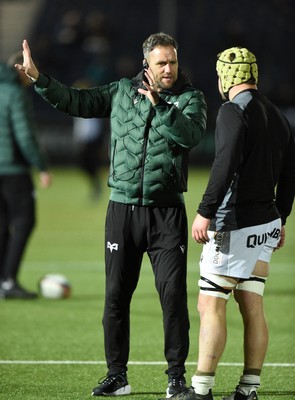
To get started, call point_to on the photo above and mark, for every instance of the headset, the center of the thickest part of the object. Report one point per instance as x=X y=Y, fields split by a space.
x=145 y=64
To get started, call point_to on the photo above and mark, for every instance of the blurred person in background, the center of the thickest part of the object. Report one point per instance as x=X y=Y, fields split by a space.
x=88 y=136
x=241 y=221
x=156 y=118
x=19 y=151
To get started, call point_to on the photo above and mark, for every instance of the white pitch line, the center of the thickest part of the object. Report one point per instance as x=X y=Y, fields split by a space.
x=60 y=362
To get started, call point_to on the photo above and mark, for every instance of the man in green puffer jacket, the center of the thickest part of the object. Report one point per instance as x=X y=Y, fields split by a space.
x=19 y=152
x=156 y=118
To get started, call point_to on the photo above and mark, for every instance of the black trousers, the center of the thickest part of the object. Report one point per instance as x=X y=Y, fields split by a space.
x=17 y=219
x=162 y=233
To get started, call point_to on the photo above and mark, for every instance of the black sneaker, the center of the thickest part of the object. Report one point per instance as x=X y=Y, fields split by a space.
x=12 y=290
x=189 y=394
x=113 y=385
x=176 y=384
x=236 y=395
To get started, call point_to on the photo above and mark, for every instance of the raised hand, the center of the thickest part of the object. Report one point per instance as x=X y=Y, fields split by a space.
x=151 y=91
x=28 y=67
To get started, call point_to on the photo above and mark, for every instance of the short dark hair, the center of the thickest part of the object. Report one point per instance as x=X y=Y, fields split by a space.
x=157 y=39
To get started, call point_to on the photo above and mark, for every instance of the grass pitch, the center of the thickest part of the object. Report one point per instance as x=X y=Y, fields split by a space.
x=53 y=349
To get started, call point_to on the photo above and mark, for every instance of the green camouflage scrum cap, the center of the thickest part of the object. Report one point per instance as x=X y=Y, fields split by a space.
x=235 y=66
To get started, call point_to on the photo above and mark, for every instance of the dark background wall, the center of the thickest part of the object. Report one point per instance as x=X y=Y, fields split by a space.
x=101 y=41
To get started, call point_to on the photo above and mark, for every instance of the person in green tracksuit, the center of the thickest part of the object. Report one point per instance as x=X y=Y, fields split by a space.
x=19 y=153
x=156 y=119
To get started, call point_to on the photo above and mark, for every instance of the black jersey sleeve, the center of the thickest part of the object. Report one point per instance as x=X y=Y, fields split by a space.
x=229 y=140
x=285 y=190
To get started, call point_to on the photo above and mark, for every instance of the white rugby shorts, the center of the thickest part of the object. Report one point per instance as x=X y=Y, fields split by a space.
x=235 y=253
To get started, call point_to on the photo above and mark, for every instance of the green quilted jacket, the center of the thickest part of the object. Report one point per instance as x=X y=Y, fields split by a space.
x=19 y=149
x=149 y=144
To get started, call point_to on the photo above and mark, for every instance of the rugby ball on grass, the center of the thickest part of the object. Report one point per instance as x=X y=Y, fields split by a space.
x=54 y=286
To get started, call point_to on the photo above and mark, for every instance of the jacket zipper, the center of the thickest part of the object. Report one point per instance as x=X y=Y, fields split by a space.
x=146 y=135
